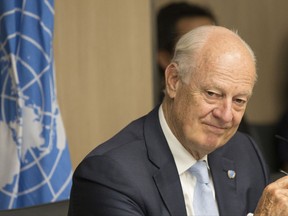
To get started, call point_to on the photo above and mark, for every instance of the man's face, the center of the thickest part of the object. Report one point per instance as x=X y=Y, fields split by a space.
x=207 y=111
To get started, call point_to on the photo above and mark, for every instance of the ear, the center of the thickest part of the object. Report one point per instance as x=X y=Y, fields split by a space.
x=172 y=80
x=163 y=58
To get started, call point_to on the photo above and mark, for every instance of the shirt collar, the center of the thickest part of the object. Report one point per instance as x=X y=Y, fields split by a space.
x=183 y=159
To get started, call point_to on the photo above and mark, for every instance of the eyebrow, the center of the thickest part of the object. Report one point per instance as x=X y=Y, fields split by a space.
x=218 y=87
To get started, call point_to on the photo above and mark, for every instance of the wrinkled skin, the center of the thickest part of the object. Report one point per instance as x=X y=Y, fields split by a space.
x=205 y=111
x=274 y=200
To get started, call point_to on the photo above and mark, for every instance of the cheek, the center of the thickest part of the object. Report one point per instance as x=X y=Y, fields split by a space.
x=193 y=119
x=238 y=116
x=190 y=110
x=193 y=113
x=186 y=115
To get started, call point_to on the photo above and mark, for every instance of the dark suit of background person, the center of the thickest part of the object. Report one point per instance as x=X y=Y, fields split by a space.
x=282 y=145
x=134 y=173
x=170 y=29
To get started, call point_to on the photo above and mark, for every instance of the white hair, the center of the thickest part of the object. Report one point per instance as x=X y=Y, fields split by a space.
x=189 y=46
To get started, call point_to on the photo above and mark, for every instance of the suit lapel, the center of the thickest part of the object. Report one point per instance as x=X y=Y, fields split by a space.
x=225 y=187
x=169 y=187
x=166 y=177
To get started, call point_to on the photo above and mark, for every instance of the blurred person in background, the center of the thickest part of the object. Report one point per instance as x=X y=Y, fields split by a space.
x=282 y=142
x=174 y=20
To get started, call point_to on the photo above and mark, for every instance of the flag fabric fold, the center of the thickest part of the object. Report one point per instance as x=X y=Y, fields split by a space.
x=35 y=164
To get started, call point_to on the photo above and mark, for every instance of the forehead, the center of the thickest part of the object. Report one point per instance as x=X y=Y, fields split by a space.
x=229 y=69
x=228 y=55
x=225 y=78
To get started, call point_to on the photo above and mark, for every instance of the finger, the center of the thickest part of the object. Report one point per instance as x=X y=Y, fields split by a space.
x=281 y=183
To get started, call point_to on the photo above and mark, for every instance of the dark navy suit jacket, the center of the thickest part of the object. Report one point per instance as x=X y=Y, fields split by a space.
x=134 y=173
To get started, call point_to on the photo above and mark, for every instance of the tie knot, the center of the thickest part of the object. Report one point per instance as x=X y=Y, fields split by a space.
x=200 y=171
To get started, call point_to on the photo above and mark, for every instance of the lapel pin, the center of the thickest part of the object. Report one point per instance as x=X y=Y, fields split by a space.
x=231 y=174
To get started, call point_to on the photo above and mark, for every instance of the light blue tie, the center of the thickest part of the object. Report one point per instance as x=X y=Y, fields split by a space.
x=203 y=202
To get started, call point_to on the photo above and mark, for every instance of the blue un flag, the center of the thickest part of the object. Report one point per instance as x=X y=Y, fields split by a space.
x=35 y=164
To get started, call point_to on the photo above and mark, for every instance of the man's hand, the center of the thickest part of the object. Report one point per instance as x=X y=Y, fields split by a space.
x=274 y=200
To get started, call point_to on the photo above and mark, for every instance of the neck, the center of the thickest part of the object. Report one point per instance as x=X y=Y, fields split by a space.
x=167 y=107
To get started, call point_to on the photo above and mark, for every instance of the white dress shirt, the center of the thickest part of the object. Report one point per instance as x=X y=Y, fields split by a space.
x=184 y=160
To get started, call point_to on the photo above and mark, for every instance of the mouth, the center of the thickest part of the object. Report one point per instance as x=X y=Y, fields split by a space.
x=215 y=128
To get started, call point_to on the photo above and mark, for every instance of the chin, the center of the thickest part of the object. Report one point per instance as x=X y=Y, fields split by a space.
x=213 y=143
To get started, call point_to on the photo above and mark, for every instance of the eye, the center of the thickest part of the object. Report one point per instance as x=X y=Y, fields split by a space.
x=240 y=101
x=212 y=94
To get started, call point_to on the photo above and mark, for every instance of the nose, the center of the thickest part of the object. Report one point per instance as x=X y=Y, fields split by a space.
x=224 y=111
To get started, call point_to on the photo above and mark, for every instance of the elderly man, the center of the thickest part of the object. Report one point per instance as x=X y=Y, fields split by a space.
x=186 y=156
